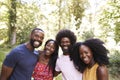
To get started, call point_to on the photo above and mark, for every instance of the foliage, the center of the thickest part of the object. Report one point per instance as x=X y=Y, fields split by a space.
x=110 y=18
x=117 y=32
x=3 y=52
x=3 y=34
x=26 y=20
x=87 y=34
x=77 y=9
x=20 y=18
x=114 y=66
x=12 y=22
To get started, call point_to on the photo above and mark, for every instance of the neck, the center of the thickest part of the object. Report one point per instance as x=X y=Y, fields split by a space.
x=46 y=56
x=91 y=64
x=66 y=54
x=29 y=47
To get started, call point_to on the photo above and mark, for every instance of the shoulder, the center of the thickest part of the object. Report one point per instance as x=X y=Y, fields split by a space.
x=102 y=72
x=17 y=49
x=40 y=52
x=61 y=57
x=102 y=69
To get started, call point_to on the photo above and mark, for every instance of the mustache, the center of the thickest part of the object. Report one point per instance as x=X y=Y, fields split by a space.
x=32 y=43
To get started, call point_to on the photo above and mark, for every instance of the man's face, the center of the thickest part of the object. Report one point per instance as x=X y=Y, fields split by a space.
x=36 y=38
x=65 y=44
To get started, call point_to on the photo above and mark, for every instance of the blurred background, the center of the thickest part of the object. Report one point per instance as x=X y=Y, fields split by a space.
x=86 y=18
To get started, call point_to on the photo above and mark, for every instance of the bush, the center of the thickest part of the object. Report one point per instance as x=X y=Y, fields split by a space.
x=3 y=52
x=114 y=66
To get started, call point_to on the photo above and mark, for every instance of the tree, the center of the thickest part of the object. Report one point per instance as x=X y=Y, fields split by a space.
x=110 y=19
x=78 y=8
x=12 y=22
x=28 y=17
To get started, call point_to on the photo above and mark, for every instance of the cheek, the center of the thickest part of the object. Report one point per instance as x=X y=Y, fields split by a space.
x=53 y=50
x=80 y=55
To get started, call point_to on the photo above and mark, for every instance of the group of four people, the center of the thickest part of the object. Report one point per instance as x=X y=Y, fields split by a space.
x=80 y=60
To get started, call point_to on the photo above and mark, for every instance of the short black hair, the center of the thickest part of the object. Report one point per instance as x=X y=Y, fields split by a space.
x=65 y=33
x=36 y=29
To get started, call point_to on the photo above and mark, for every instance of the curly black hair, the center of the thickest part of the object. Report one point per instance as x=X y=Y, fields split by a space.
x=75 y=57
x=54 y=56
x=98 y=50
x=65 y=33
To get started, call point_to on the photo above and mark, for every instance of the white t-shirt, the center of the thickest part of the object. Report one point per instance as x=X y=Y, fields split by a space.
x=67 y=68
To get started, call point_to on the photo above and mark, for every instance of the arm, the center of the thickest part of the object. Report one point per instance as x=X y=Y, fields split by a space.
x=56 y=73
x=57 y=69
x=5 y=72
x=102 y=73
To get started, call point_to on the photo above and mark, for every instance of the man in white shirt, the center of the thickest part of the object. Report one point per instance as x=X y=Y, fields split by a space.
x=66 y=38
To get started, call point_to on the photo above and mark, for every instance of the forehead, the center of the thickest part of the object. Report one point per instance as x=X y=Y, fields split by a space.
x=65 y=39
x=84 y=47
x=38 y=32
x=51 y=42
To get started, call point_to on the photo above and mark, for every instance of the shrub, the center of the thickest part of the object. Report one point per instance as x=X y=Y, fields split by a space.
x=114 y=66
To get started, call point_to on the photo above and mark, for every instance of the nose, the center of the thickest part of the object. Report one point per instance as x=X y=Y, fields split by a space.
x=64 y=44
x=40 y=39
x=48 y=48
x=83 y=55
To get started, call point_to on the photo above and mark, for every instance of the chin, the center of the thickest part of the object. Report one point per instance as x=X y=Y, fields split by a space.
x=36 y=46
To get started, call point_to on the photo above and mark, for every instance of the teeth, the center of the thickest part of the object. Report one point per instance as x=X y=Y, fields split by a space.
x=85 y=59
x=65 y=47
x=47 y=51
x=36 y=43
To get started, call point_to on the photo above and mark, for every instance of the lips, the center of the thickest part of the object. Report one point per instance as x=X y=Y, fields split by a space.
x=65 y=47
x=85 y=60
x=48 y=52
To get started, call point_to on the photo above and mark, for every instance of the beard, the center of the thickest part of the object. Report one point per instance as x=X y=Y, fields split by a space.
x=35 y=43
x=66 y=50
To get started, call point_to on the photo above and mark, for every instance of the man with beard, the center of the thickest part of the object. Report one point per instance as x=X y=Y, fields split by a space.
x=20 y=62
x=66 y=38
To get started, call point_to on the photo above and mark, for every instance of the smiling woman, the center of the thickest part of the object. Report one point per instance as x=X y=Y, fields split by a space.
x=45 y=66
x=92 y=59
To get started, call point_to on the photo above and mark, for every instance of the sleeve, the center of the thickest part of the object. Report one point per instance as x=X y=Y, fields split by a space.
x=12 y=58
x=57 y=68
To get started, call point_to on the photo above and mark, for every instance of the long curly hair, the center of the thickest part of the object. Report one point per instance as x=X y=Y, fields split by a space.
x=75 y=57
x=98 y=50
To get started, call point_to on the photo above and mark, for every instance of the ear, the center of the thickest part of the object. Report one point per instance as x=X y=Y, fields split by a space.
x=30 y=36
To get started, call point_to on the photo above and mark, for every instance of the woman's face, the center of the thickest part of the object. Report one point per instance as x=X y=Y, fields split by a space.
x=86 y=55
x=50 y=48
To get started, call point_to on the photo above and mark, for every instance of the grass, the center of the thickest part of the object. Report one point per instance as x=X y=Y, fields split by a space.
x=59 y=77
x=3 y=52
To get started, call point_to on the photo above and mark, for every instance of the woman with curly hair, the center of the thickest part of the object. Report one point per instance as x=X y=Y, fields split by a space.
x=92 y=59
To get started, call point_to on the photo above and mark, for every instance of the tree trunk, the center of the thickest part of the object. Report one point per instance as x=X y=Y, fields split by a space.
x=12 y=23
